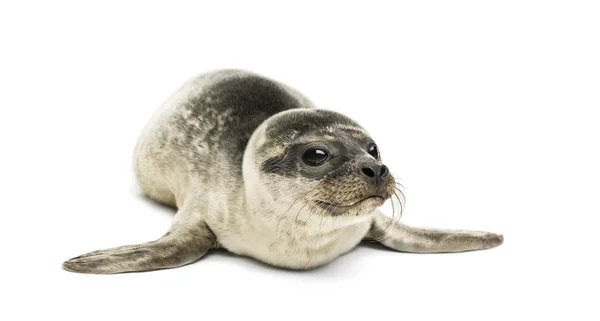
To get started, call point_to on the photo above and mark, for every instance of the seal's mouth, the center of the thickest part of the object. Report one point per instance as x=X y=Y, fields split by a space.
x=337 y=209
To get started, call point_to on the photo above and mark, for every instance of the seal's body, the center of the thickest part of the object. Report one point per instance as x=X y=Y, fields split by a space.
x=195 y=153
x=253 y=167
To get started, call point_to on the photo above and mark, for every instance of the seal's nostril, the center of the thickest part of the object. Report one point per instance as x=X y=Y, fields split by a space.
x=369 y=172
x=383 y=171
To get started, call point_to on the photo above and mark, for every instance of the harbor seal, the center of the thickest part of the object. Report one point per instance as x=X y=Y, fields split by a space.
x=252 y=166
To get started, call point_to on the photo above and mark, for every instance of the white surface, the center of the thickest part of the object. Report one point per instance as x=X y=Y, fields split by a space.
x=487 y=112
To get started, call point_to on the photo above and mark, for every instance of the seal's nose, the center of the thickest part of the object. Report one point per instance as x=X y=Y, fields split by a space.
x=376 y=173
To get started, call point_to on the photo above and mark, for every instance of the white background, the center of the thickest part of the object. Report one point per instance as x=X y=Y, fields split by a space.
x=487 y=112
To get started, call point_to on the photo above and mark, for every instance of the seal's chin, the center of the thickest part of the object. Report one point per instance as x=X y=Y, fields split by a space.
x=339 y=209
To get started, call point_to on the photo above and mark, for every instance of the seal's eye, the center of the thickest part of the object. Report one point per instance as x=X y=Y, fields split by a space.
x=374 y=151
x=315 y=156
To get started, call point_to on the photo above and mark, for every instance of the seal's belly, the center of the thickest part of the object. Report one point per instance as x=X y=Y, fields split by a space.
x=299 y=249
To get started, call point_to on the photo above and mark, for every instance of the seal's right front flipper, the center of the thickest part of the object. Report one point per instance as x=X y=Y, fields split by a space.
x=183 y=244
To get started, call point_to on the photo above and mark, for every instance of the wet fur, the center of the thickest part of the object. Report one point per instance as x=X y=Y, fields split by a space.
x=224 y=151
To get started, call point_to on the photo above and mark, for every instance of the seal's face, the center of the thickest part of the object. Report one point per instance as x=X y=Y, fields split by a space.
x=326 y=162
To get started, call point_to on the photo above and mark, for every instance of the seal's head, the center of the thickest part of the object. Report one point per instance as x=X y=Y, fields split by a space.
x=319 y=160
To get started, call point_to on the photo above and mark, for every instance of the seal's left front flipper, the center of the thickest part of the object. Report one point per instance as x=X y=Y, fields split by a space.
x=423 y=240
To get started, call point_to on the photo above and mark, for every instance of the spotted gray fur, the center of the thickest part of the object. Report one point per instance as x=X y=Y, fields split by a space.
x=226 y=151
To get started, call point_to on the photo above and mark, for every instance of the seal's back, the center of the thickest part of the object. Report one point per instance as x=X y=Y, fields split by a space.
x=204 y=129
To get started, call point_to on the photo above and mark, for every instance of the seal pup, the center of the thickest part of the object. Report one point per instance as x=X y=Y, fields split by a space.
x=252 y=166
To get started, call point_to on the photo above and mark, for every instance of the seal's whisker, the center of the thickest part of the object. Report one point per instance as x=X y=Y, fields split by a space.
x=321 y=224
x=400 y=207
x=300 y=210
x=313 y=190
x=402 y=198
x=282 y=216
x=320 y=228
x=301 y=197
x=395 y=218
